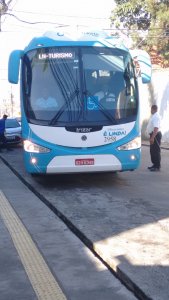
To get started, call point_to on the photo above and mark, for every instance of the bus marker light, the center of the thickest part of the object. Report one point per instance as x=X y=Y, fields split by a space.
x=33 y=160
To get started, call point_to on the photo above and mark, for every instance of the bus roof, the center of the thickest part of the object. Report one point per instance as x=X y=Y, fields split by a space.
x=76 y=38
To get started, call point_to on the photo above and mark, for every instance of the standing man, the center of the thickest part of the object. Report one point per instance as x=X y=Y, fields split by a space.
x=3 y=141
x=153 y=129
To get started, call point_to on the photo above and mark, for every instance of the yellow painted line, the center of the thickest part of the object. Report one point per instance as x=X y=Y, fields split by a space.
x=40 y=276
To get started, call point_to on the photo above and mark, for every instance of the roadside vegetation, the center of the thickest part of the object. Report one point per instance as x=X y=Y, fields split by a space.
x=147 y=23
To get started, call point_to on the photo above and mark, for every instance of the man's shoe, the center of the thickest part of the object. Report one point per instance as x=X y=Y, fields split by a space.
x=155 y=169
x=150 y=167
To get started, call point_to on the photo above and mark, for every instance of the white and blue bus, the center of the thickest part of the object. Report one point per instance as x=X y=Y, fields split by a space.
x=90 y=119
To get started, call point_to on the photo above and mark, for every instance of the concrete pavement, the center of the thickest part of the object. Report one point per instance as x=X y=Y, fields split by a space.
x=137 y=248
x=40 y=258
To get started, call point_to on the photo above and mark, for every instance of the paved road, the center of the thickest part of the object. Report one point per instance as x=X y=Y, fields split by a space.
x=124 y=217
x=40 y=258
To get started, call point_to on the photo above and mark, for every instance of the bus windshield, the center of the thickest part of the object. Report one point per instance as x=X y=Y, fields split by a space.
x=65 y=86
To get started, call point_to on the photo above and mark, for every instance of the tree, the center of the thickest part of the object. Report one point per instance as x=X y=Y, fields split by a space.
x=146 y=21
x=3 y=8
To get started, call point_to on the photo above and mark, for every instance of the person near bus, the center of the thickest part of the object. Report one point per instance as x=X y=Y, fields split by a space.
x=3 y=140
x=153 y=129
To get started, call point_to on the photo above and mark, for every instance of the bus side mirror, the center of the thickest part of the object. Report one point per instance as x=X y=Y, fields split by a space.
x=144 y=62
x=14 y=66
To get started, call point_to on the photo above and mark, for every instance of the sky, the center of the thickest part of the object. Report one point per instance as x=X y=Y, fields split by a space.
x=16 y=34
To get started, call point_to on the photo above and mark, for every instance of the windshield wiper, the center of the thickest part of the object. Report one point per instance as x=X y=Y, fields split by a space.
x=102 y=109
x=64 y=106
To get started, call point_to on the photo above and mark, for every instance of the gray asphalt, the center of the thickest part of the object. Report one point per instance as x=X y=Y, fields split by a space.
x=80 y=275
x=129 y=231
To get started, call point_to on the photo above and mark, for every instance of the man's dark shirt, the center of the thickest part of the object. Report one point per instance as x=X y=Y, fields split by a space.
x=2 y=126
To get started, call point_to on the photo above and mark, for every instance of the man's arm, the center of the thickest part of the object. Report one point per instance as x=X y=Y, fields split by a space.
x=155 y=131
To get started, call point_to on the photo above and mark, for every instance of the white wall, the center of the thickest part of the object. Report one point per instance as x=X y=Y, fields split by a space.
x=156 y=93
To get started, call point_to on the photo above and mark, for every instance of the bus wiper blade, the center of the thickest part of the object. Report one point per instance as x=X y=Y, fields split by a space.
x=64 y=106
x=102 y=109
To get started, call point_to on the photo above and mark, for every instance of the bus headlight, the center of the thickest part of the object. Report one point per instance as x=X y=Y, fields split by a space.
x=34 y=148
x=134 y=144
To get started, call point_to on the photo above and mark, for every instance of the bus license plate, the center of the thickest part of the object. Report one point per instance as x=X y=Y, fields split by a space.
x=84 y=161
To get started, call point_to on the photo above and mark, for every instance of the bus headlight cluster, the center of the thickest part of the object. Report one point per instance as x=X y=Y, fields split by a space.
x=34 y=148
x=134 y=144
